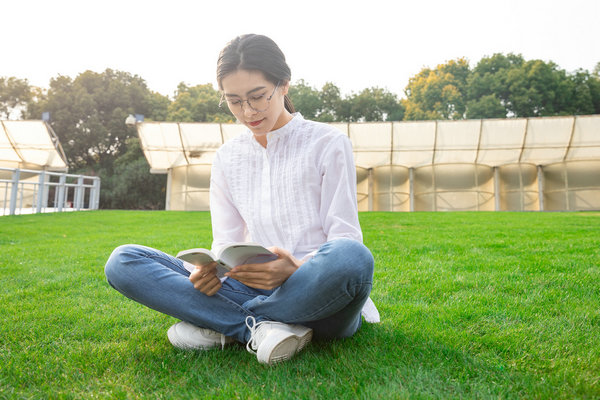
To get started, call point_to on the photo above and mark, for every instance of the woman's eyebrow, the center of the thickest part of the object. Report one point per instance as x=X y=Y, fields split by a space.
x=247 y=93
x=255 y=90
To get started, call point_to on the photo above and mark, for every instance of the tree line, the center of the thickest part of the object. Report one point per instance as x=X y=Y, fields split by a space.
x=88 y=112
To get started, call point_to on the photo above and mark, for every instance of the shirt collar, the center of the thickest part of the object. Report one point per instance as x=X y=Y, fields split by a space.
x=286 y=129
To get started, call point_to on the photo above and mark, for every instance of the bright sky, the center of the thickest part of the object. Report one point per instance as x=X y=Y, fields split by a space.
x=354 y=44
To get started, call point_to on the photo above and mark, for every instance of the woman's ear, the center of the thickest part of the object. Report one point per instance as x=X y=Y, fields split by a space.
x=285 y=87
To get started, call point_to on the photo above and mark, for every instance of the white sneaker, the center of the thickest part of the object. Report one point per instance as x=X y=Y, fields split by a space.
x=274 y=342
x=186 y=336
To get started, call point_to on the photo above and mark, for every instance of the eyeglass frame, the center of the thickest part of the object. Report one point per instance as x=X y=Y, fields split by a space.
x=242 y=101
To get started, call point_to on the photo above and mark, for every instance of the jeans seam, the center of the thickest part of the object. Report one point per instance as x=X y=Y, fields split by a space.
x=168 y=259
x=249 y=295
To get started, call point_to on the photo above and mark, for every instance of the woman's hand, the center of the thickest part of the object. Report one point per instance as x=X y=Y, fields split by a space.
x=204 y=278
x=267 y=275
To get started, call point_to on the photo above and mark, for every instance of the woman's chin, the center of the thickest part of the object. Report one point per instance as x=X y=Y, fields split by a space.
x=260 y=129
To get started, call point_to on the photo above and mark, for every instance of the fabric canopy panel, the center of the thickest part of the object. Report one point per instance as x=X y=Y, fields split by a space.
x=501 y=141
x=413 y=143
x=585 y=142
x=168 y=145
x=30 y=144
x=457 y=142
x=371 y=144
x=522 y=164
x=492 y=142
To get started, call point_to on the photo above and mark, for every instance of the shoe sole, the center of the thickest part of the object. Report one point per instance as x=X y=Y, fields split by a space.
x=304 y=339
x=176 y=340
x=282 y=346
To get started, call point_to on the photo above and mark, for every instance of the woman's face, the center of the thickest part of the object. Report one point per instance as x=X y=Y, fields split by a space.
x=243 y=85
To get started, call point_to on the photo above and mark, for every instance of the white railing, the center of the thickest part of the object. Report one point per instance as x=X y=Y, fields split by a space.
x=29 y=191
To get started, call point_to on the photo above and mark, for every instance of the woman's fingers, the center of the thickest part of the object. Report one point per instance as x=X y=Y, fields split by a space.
x=268 y=275
x=204 y=279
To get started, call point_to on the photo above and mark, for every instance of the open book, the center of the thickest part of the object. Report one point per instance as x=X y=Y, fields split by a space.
x=229 y=256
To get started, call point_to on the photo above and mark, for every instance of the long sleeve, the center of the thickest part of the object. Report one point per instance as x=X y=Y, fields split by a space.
x=339 y=210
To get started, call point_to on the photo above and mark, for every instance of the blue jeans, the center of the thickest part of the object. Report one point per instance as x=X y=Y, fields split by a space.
x=326 y=293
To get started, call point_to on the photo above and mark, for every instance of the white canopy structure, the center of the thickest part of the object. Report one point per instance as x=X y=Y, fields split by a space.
x=30 y=144
x=526 y=164
x=32 y=172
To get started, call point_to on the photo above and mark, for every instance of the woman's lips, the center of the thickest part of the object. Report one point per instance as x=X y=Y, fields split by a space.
x=256 y=123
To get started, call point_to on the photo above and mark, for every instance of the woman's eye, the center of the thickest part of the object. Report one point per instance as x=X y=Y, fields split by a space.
x=235 y=102
x=257 y=97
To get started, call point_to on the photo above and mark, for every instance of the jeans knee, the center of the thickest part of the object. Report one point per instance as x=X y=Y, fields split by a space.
x=352 y=257
x=114 y=266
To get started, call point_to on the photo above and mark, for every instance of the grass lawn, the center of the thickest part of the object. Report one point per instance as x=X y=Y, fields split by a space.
x=473 y=305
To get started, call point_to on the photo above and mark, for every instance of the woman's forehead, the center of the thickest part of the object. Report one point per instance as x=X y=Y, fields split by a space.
x=243 y=81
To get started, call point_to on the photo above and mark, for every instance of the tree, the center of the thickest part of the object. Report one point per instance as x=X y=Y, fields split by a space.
x=306 y=99
x=327 y=105
x=372 y=104
x=594 y=84
x=488 y=86
x=14 y=97
x=534 y=89
x=331 y=103
x=158 y=105
x=198 y=103
x=486 y=106
x=438 y=93
x=508 y=85
x=129 y=185
x=583 y=90
x=88 y=114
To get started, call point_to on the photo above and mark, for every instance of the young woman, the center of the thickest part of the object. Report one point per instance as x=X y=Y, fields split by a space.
x=287 y=183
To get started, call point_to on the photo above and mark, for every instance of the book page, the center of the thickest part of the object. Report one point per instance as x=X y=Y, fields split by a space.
x=246 y=253
x=195 y=257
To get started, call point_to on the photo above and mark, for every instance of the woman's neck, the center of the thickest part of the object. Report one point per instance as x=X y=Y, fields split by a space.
x=283 y=119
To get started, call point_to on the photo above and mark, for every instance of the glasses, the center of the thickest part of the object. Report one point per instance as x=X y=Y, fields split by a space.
x=258 y=103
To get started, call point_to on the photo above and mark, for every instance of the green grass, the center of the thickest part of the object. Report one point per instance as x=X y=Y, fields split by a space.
x=474 y=305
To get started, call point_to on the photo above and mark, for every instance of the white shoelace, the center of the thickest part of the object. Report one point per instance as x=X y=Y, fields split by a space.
x=223 y=339
x=253 y=342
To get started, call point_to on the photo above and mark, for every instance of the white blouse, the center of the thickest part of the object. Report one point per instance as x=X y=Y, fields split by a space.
x=297 y=193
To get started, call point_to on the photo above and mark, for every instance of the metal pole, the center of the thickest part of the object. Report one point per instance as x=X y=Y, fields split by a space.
x=477 y=192
x=95 y=199
x=79 y=193
x=540 y=176
x=61 y=191
x=46 y=192
x=566 y=175
x=5 y=196
x=433 y=165
x=15 y=190
x=168 y=194
x=370 y=183
x=521 y=189
x=92 y=198
x=411 y=188
x=41 y=191
x=433 y=181
x=496 y=189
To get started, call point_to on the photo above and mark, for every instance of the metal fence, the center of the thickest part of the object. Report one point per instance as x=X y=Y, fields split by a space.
x=24 y=191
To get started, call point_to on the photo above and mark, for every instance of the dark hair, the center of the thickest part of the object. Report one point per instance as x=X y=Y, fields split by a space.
x=255 y=53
